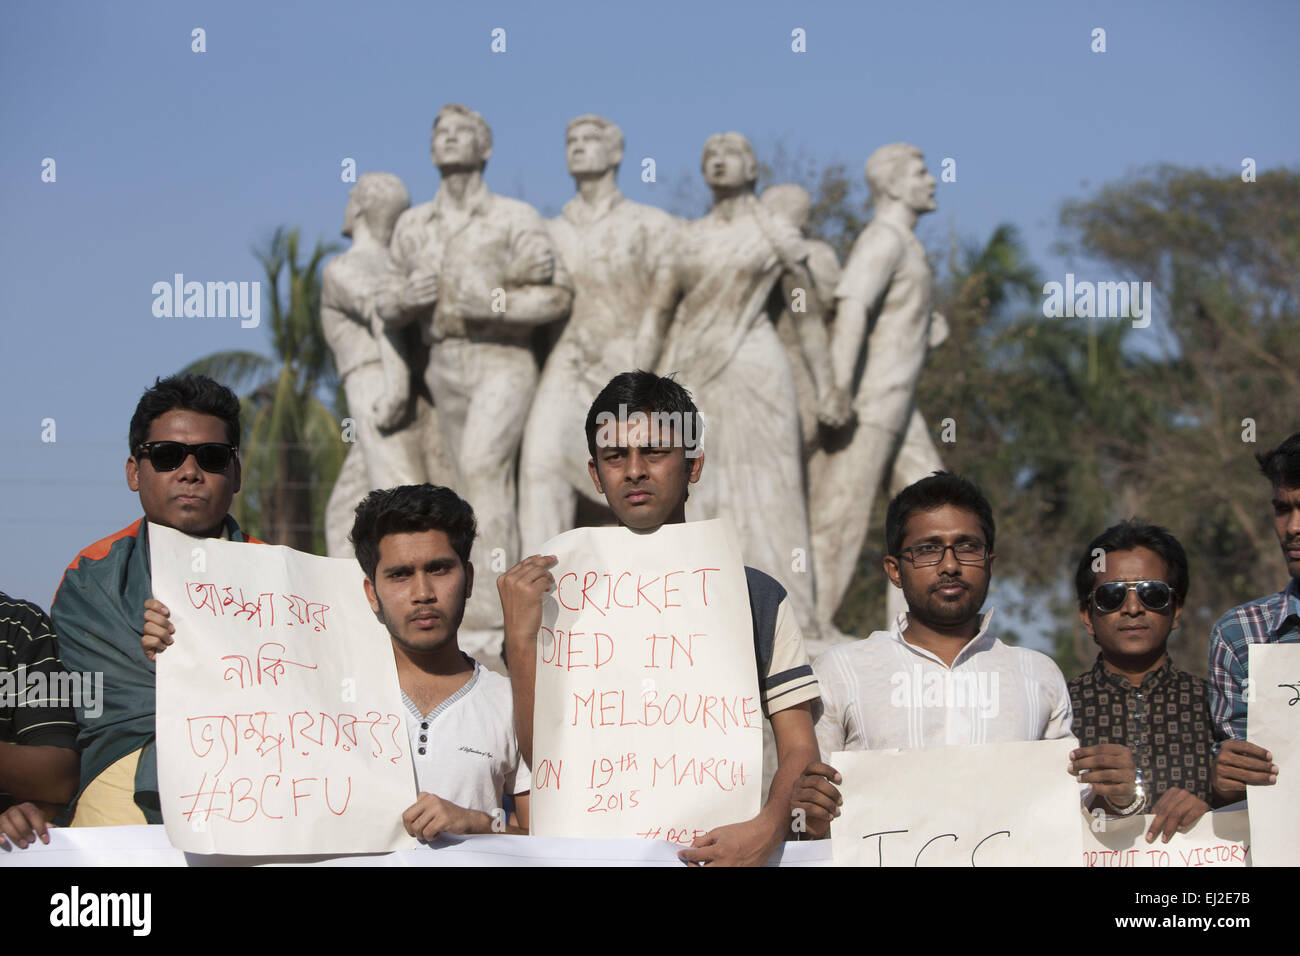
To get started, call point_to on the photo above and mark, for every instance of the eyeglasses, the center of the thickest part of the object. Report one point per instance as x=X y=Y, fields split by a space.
x=1110 y=597
x=928 y=555
x=213 y=456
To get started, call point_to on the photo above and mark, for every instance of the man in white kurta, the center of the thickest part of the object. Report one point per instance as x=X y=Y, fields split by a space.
x=882 y=693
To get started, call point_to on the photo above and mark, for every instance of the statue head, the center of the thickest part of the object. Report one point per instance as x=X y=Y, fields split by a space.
x=729 y=163
x=592 y=145
x=461 y=138
x=897 y=171
x=789 y=201
x=378 y=198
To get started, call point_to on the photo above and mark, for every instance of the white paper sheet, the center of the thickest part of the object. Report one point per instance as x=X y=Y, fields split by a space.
x=1219 y=839
x=647 y=721
x=280 y=725
x=1273 y=722
x=1009 y=804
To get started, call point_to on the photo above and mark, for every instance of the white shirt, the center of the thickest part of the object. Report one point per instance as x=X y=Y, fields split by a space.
x=469 y=754
x=884 y=693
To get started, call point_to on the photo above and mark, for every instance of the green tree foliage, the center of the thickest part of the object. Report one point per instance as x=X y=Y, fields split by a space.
x=1072 y=424
x=291 y=451
x=1223 y=371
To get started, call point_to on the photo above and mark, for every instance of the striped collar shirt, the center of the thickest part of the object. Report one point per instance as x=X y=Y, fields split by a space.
x=1270 y=620
x=884 y=692
x=35 y=705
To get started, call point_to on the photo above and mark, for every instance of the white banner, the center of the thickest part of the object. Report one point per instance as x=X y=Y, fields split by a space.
x=1219 y=839
x=280 y=727
x=148 y=846
x=1009 y=804
x=1273 y=722
x=647 y=720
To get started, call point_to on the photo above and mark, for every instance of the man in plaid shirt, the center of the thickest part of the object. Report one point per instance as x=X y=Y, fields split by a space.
x=1273 y=619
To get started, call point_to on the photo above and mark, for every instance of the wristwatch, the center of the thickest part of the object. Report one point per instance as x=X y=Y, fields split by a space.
x=1139 y=798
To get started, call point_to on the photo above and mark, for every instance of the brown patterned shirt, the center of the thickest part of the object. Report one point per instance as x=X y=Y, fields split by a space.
x=1165 y=722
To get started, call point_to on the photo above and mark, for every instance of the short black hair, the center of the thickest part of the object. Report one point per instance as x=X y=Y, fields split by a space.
x=1125 y=536
x=1281 y=466
x=935 y=491
x=411 y=508
x=192 y=393
x=643 y=391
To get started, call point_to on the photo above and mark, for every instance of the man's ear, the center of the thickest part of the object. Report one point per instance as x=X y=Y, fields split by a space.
x=372 y=597
x=1178 y=612
x=1085 y=615
x=236 y=474
x=890 y=564
x=694 y=467
x=595 y=475
x=469 y=579
x=133 y=474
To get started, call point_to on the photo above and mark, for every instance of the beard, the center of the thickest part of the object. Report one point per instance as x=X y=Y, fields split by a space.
x=935 y=610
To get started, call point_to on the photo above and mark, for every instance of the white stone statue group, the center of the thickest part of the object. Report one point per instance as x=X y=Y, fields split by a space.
x=805 y=375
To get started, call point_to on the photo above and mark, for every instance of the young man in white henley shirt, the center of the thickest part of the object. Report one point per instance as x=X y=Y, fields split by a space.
x=938 y=677
x=413 y=542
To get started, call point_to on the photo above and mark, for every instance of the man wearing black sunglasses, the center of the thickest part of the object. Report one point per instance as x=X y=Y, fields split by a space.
x=184 y=464
x=1143 y=723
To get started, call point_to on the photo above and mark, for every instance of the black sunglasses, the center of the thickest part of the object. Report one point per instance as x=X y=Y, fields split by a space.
x=213 y=456
x=1110 y=597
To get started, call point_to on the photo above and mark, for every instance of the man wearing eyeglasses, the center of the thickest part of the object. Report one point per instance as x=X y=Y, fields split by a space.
x=1145 y=724
x=184 y=464
x=937 y=677
x=1274 y=619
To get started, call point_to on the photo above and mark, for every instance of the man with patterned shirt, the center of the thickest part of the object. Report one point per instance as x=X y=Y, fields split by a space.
x=1269 y=620
x=1132 y=584
x=38 y=727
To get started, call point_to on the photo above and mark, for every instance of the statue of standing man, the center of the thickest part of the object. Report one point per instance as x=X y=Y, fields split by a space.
x=396 y=439
x=882 y=332
x=478 y=272
x=611 y=247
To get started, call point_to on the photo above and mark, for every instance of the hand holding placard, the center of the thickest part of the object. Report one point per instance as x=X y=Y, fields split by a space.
x=1008 y=804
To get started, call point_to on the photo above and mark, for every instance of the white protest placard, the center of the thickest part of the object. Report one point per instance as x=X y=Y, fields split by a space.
x=280 y=724
x=647 y=721
x=1273 y=722
x=1008 y=804
x=1219 y=839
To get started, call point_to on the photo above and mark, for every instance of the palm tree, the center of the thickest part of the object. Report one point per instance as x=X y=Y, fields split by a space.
x=292 y=452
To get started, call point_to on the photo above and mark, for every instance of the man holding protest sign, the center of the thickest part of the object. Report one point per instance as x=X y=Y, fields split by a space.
x=1274 y=619
x=414 y=543
x=644 y=469
x=184 y=463
x=937 y=677
x=1132 y=583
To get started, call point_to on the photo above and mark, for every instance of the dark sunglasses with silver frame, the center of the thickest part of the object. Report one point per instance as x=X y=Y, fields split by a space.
x=1110 y=597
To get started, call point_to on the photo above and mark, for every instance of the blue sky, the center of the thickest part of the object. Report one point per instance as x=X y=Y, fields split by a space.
x=172 y=161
